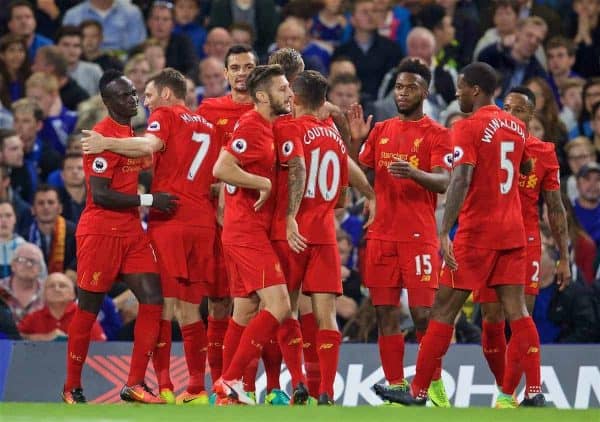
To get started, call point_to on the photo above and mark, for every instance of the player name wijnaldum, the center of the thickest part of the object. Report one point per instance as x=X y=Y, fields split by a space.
x=313 y=132
x=496 y=124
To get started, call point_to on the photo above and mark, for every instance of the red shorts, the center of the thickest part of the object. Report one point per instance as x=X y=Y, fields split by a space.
x=100 y=259
x=392 y=266
x=478 y=268
x=252 y=267
x=286 y=255
x=220 y=288
x=319 y=270
x=534 y=255
x=185 y=258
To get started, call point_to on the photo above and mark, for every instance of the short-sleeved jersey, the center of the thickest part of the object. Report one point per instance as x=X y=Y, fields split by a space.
x=224 y=113
x=254 y=147
x=545 y=176
x=493 y=142
x=123 y=174
x=405 y=209
x=184 y=166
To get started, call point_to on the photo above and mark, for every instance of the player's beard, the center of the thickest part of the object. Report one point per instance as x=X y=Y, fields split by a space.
x=278 y=108
x=407 y=111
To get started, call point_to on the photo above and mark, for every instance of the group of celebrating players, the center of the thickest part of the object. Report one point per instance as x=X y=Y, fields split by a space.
x=242 y=212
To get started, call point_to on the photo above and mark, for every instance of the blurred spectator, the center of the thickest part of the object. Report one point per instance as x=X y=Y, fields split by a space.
x=155 y=55
x=586 y=34
x=538 y=126
x=587 y=204
x=260 y=14
x=590 y=96
x=241 y=33
x=86 y=74
x=40 y=158
x=393 y=21
x=372 y=54
x=9 y=240
x=466 y=28
x=21 y=21
x=329 y=23
x=22 y=290
x=11 y=157
x=347 y=303
x=291 y=33
x=8 y=328
x=137 y=69
x=340 y=65
x=505 y=15
x=179 y=50
x=518 y=63
x=72 y=194
x=187 y=18
x=579 y=152
x=55 y=178
x=13 y=56
x=560 y=52
x=351 y=225
x=58 y=121
x=89 y=112
x=217 y=43
x=91 y=41
x=122 y=22
x=529 y=8
x=191 y=101
x=212 y=79
x=52 y=321
x=22 y=208
x=363 y=327
x=6 y=118
x=51 y=61
x=447 y=49
x=572 y=102
x=344 y=90
x=51 y=232
x=49 y=15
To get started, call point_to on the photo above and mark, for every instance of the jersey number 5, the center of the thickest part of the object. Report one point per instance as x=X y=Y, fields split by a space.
x=204 y=140
x=317 y=174
x=506 y=164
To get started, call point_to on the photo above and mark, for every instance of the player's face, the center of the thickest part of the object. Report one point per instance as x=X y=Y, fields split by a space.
x=464 y=95
x=280 y=96
x=46 y=206
x=238 y=68
x=589 y=187
x=121 y=98
x=152 y=98
x=409 y=92
x=58 y=288
x=519 y=106
x=7 y=221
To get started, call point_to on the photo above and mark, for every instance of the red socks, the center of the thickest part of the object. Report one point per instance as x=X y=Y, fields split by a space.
x=311 y=358
x=77 y=347
x=391 y=352
x=437 y=374
x=289 y=337
x=195 y=345
x=493 y=342
x=523 y=355
x=231 y=342
x=271 y=356
x=249 y=376
x=433 y=347
x=216 y=336
x=145 y=335
x=161 y=359
x=257 y=333
x=328 y=348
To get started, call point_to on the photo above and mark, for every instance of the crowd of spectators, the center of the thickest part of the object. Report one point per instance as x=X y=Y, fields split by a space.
x=53 y=52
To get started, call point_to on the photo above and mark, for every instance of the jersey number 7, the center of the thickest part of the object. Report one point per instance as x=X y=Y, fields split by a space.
x=204 y=140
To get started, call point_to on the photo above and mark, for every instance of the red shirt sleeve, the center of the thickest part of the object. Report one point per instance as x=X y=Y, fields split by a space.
x=241 y=145
x=551 y=180
x=97 y=333
x=288 y=139
x=159 y=125
x=441 y=151
x=465 y=145
x=366 y=155
x=101 y=165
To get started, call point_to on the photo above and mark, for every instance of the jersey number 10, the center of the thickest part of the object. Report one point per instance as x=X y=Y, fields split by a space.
x=317 y=174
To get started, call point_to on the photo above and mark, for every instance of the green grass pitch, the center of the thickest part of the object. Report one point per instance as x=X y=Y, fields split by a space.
x=42 y=412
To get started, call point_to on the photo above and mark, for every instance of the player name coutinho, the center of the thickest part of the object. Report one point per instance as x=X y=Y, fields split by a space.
x=191 y=118
x=496 y=124
x=314 y=132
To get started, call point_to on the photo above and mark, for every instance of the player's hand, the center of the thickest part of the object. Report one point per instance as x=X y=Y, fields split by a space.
x=165 y=202
x=359 y=127
x=448 y=252
x=296 y=241
x=92 y=142
x=369 y=211
x=264 y=193
x=402 y=169
x=563 y=274
x=327 y=109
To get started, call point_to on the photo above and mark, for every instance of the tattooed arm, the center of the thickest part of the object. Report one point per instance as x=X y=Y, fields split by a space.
x=296 y=182
x=557 y=217
x=457 y=192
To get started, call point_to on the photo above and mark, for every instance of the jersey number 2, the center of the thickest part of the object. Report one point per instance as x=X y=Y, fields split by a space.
x=317 y=174
x=506 y=164
x=204 y=140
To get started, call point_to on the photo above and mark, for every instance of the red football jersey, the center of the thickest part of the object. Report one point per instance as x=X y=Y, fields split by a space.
x=123 y=173
x=492 y=141
x=545 y=176
x=184 y=166
x=405 y=209
x=254 y=146
x=224 y=113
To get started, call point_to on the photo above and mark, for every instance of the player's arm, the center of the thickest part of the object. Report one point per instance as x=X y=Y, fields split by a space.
x=227 y=168
x=460 y=181
x=296 y=183
x=526 y=166
x=437 y=181
x=557 y=217
x=358 y=179
x=341 y=122
x=105 y=197
x=139 y=146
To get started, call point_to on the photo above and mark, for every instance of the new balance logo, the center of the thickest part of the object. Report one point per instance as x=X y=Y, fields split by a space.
x=295 y=341
x=533 y=349
x=75 y=357
x=326 y=346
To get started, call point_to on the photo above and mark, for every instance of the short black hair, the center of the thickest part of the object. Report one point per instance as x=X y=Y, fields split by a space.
x=311 y=88
x=107 y=77
x=68 y=31
x=290 y=60
x=240 y=49
x=70 y=156
x=172 y=79
x=345 y=79
x=523 y=90
x=410 y=65
x=43 y=188
x=90 y=22
x=261 y=76
x=56 y=59
x=481 y=74
x=19 y=3
x=431 y=16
